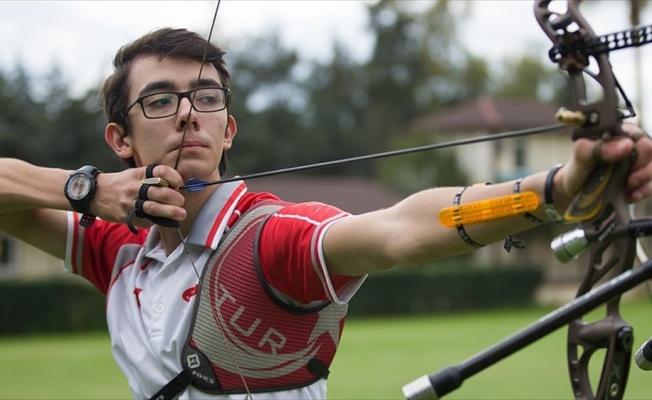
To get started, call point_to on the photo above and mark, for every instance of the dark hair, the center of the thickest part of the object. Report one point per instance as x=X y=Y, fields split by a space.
x=165 y=42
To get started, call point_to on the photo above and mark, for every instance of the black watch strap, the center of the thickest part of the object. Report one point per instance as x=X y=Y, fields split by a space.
x=82 y=205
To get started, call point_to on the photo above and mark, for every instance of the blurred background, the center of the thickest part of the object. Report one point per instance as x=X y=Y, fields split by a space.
x=316 y=81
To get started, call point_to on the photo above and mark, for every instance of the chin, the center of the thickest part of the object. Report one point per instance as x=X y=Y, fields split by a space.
x=199 y=171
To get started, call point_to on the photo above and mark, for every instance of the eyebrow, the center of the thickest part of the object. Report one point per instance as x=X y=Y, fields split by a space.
x=171 y=86
x=207 y=82
x=156 y=86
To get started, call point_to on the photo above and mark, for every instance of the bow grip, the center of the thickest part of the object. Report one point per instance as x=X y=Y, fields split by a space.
x=591 y=197
x=604 y=182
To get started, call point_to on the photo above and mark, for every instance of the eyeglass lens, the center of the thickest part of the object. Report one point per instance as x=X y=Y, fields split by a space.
x=160 y=105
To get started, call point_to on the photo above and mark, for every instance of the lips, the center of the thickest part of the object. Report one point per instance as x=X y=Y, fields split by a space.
x=188 y=144
x=192 y=143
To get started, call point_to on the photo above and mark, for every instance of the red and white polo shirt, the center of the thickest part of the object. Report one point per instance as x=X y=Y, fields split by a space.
x=150 y=296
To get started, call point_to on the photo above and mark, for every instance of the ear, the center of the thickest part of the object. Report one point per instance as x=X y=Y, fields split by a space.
x=115 y=136
x=229 y=132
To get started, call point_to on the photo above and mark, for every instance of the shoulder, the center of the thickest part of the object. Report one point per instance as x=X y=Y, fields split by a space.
x=250 y=199
x=314 y=213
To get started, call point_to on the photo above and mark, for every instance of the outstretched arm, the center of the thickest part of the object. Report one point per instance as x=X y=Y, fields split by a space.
x=409 y=233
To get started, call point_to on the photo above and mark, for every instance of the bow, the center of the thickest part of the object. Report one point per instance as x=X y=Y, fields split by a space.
x=611 y=249
x=606 y=230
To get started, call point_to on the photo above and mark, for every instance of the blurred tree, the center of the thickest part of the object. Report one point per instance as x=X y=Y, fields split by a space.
x=267 y=103
x=21 y=117
x=78 y=136
x=526 y=77
x=412 y=68
x=419 y=66
x=332 y=119
x=347 y=109
x=42 y=124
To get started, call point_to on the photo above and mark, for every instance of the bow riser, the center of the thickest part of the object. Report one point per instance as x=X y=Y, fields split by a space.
x=601 y=206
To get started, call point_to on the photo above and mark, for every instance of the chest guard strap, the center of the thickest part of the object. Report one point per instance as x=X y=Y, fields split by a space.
x=243 y=338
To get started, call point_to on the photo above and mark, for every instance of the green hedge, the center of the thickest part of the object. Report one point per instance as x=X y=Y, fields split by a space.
x=445 y=290
x=68 y=305
x=46 y=306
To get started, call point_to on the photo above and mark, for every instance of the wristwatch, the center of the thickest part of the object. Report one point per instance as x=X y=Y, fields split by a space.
x=80 y=190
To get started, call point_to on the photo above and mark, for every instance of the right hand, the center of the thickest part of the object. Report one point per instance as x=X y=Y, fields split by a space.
x=117 y=193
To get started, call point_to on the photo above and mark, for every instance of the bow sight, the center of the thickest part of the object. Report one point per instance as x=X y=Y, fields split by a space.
x=606 y=229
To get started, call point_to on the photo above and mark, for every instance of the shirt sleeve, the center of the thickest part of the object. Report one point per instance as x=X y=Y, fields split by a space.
x=291 y=255
x=92 y=251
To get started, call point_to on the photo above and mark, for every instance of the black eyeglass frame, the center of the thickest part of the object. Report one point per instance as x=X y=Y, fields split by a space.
x=180 y=96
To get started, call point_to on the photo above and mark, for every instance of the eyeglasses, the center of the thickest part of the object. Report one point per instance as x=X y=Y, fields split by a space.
x=165 y=104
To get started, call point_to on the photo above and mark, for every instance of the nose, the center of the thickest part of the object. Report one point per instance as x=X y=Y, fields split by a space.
x=185 y=105
x=186 y=113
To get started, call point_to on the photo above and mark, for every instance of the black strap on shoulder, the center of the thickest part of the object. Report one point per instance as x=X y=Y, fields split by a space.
x=174 y=387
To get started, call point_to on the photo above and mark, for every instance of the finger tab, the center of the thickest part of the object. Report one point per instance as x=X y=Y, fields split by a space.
x=149 y=171
x=155 y=181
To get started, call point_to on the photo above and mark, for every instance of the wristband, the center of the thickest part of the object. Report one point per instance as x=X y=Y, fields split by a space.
x=550 y=209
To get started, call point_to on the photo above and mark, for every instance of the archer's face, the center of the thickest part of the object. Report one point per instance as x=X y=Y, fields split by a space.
x=207 y=134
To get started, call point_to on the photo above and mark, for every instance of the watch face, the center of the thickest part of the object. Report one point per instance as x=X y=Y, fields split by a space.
x=78 y=187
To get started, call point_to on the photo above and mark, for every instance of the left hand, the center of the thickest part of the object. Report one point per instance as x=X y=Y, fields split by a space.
x=585 y=157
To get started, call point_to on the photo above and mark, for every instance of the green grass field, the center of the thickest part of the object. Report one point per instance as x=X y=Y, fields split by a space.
x=376 y=358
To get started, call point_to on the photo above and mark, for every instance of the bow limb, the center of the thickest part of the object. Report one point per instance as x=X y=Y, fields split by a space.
x=600 y=207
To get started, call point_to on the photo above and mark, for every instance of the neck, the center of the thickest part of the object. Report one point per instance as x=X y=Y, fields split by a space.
x=172 y=237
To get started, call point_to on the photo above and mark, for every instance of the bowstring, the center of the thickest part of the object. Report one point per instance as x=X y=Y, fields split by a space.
x=201 y=69
x=185 y=128
x=176 y=165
